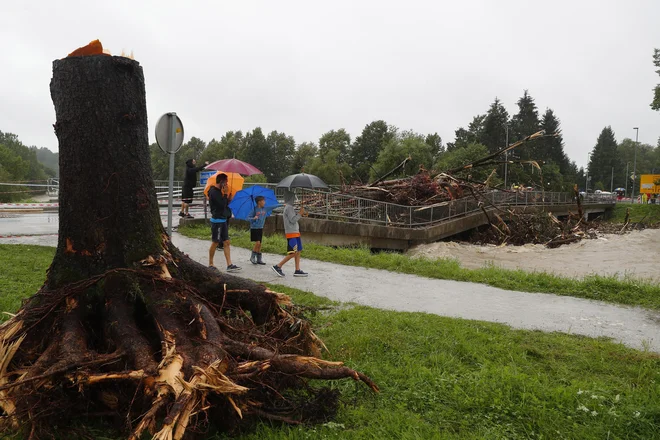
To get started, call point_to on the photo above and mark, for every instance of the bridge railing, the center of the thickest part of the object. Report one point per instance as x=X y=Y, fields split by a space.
x=343 y=207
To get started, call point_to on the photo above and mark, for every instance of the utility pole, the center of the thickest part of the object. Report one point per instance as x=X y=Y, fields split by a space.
x=506 y=157
x=612 y=181
x=586 y=183
x=632 y=198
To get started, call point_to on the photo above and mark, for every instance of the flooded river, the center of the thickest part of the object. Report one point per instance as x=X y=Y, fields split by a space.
x=636 y=254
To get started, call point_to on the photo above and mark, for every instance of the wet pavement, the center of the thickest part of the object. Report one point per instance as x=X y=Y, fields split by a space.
x=633 y=326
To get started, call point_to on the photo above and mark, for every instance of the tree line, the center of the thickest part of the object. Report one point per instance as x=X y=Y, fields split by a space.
x=380 y=147
x=20 y=163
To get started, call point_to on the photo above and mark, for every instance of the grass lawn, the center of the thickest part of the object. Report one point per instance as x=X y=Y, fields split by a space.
x=447 y=378
x=649 y=213
x=610 y=289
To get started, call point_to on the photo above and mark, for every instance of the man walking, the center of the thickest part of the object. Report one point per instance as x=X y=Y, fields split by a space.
x=220 y=213
x=189 y=183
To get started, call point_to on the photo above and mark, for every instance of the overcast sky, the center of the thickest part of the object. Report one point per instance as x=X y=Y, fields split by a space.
x=306 y=67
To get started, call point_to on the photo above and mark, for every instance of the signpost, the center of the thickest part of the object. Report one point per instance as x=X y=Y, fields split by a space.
x=169 y=136
x=203 y=178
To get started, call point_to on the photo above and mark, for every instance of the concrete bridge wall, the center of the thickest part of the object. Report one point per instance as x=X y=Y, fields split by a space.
x=338 y=233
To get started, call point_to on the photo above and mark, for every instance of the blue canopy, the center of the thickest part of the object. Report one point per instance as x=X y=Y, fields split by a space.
x=243 y=202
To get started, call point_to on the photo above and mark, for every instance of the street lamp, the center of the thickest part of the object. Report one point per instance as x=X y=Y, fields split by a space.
x=632 y=198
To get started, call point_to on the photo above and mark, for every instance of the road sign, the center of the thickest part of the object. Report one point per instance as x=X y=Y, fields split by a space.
x=169 y=136
x=169 y=133
x=204 y=176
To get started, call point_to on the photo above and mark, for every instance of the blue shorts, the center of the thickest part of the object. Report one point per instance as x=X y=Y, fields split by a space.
x=293 y=245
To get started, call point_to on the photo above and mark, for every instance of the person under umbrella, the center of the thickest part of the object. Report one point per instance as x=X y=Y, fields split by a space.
x=292 y=231
x=220 y=213
x=254 y=204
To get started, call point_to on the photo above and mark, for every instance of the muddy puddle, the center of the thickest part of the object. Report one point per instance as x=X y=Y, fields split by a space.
x=636 y=254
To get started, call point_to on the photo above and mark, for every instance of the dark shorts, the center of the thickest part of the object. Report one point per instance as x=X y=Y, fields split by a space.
x=293 y=245
x=256 y=234
x=187 y=195
x=219 y=232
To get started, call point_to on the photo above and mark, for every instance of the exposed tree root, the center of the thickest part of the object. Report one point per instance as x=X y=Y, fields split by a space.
x=166 y=353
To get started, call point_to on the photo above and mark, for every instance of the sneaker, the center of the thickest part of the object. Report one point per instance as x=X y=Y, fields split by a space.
x=220 y=246
x=181 y=214
x=189 y=216
x=233 y=268
x=278 y=270
x=214 y=269
x=300 y=273
x=253 y=258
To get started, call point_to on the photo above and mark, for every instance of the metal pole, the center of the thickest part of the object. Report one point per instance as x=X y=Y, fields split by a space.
x=632 y=198
x=170 y=148
x=625 y=192
x=506 y=158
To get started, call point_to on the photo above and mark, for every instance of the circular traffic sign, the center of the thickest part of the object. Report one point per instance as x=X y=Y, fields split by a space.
x=169 y=133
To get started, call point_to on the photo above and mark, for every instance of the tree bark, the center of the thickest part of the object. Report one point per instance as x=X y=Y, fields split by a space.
x=108 y=209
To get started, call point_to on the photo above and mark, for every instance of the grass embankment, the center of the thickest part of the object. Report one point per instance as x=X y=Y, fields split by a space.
x=446 y=378
x=610 y=289
x=648 y=214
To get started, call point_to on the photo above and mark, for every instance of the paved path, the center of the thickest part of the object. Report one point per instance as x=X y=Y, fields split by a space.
x=633 y=326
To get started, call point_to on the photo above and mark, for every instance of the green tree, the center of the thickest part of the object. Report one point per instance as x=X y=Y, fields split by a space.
x=257 y=152
x=463 y=156
x=366 y=148
x=303 y=157
x=160 y=161
x=655 y=105
x=19 y=163
x=435 y=142
x=230 y=145
x=330 y=169
x=49 y=160
x=338 y=140
x=604 y=157
x=524 y=123
x=552 y=149
x=493 y=135
x=402 y=145
x=472 y=135
x=648 y=161
x=282 y=148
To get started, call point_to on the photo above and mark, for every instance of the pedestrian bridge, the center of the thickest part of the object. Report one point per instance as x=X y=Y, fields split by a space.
x=339 y=219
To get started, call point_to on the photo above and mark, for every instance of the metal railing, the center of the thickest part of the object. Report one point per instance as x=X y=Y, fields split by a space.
x=343 y=207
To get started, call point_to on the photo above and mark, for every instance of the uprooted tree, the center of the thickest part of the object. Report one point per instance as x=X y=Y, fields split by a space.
x=128 y=325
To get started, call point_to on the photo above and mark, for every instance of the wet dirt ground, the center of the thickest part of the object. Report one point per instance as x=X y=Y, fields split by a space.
x=635 y=254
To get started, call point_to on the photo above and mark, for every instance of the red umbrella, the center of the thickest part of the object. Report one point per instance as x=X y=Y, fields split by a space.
x=234 y=166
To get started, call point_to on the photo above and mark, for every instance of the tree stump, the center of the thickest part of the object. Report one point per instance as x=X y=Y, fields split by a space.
x=128 y=326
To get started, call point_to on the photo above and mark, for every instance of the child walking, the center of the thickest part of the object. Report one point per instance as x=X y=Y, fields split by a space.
x=292 y=230
x=257 y=219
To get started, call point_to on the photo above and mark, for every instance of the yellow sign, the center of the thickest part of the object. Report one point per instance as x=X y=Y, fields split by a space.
x=649 y=184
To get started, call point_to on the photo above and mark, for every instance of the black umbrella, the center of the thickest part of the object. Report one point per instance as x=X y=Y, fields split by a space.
x=301 y=180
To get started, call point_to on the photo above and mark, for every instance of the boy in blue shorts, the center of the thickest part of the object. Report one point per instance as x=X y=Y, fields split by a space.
x=292 y=231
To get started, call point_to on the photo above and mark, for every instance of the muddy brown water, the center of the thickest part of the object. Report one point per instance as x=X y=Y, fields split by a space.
x=636 y=254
